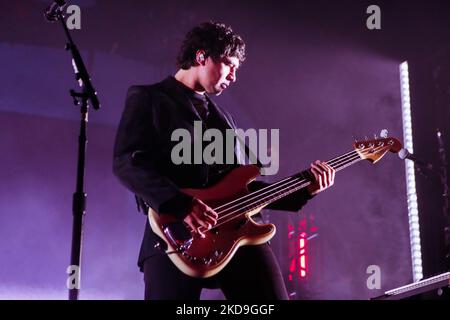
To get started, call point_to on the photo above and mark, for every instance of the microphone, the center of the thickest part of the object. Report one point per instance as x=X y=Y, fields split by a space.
x=53 y=11
x=405 y=154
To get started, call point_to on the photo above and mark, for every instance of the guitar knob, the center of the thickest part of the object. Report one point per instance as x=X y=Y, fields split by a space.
x=207 y=260
x=217 y=253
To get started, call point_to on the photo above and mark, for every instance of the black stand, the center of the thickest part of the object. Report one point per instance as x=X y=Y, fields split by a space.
x=428 y=170
x=79 y=197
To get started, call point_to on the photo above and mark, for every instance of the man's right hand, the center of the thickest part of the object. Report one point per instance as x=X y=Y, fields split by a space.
x=200 y=215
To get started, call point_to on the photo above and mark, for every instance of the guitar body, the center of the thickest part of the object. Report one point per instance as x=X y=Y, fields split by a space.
x=205 y=257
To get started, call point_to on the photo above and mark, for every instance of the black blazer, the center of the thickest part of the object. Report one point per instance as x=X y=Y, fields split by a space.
x=142 y=153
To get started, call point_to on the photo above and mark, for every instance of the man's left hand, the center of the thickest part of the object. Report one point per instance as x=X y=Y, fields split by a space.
x=324 y=177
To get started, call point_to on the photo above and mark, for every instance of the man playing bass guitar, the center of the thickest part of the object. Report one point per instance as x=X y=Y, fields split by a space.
x=208 y=61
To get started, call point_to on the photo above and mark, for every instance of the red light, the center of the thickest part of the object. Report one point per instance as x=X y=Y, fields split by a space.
x=292 y=266
x=302 y=262
x=301 y=243
x=297 y=239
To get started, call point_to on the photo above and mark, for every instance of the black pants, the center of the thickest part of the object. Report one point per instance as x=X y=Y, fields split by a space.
x=253 y=273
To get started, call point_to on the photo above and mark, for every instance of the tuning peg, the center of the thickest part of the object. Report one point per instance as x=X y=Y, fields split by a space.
x=384 y=133
x=354 y=138
x=375 y=136
x=365 y=138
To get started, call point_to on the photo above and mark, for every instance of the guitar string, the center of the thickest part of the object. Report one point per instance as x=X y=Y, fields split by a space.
x=249 y=207
x=278 y=184
x=296 y=185
x=334 y=162
x=272 y=185
x=291 y=183
x=292 y=178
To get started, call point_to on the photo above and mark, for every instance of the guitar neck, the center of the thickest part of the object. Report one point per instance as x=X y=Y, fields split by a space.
x=372 y=150
x=282 y=188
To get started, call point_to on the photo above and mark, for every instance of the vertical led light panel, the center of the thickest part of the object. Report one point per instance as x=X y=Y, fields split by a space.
x=413 y=211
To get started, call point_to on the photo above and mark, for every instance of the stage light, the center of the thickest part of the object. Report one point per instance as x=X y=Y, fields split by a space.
x=413 y=212
x=298 y=243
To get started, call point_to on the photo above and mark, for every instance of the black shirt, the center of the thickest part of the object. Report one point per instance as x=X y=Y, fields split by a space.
x=199 y=101
x=210 y=120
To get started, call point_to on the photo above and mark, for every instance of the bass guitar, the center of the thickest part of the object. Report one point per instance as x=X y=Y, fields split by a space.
x=204 y=257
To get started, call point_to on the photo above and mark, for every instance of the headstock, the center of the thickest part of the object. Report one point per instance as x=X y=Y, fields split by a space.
x=374 y=150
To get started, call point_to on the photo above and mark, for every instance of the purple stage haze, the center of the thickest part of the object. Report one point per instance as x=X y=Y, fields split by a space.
x=306 y=76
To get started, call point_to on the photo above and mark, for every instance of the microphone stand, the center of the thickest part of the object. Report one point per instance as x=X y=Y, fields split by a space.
x=79 y=197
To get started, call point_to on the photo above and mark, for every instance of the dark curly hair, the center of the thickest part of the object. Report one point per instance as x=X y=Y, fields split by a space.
x=216 y=39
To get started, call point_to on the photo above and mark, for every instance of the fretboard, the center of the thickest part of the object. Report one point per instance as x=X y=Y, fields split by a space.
x=293 y=183
x=278 y=190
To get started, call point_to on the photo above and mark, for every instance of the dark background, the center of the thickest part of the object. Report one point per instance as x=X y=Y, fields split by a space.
x=313 y=70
